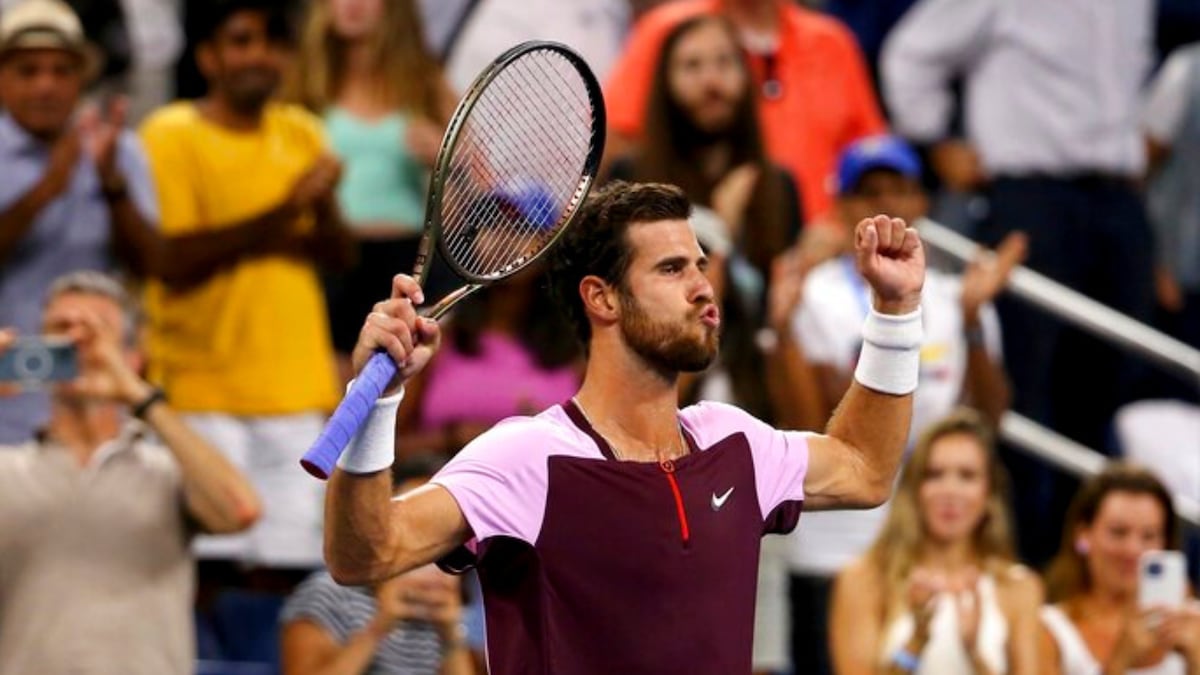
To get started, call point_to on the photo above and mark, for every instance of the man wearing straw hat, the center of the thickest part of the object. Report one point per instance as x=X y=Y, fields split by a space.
x=75 y=190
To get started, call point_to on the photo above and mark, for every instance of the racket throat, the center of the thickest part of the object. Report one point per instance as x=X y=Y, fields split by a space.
x=442 y=306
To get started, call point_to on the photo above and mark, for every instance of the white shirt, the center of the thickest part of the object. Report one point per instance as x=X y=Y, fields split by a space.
x=155 y=30
x=1164 y=436
x=943 y=653
x=828 y=327
x=1051 y=87
x=594 y=28
x=1075 y=657
x=1168 y=97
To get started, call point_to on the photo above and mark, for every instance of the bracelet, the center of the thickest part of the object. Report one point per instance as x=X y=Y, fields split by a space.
x=457 y=641
x=906 y=660
x=974 y=336
x=114 y=192
x=767 y=340
x=140 y=409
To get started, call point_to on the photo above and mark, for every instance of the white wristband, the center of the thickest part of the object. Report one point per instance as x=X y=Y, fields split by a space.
x=891 y=353
x=373 y=448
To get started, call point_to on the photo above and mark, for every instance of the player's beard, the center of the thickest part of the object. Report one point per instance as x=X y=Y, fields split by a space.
x=669 y=347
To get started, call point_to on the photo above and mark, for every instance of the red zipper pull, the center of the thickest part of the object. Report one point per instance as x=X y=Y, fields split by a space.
x=668 y=468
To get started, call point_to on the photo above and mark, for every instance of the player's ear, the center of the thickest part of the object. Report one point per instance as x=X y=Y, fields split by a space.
x=599 y=298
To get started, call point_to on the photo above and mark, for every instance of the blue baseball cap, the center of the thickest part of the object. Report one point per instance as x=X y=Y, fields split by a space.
x=875 y=152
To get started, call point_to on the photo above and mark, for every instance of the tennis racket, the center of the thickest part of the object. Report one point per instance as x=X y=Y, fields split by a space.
x=516 y=162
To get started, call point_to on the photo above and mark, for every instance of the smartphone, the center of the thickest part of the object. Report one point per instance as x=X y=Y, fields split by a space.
x=36 y=361
x=1162 y=579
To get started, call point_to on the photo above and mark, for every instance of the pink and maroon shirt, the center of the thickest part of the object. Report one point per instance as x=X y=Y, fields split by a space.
x=591 y=565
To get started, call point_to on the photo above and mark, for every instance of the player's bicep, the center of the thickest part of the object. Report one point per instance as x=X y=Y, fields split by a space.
x=836 y=472
x=429 y=525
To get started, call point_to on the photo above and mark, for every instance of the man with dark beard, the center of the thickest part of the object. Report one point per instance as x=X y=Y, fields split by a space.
x=616 y=533
x=238 y=335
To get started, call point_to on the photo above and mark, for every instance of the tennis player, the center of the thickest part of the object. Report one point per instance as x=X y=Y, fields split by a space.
x=616 y=533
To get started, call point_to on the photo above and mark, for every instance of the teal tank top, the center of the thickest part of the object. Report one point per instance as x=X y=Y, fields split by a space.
x=381 y=182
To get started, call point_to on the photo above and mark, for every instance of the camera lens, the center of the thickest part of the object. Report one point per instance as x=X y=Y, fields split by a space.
x=1154 y=569
x=33 y=363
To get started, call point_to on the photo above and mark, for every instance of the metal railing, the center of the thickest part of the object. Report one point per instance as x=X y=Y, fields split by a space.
x=1072 y=457
x=1094 y=317
x=1075 y=307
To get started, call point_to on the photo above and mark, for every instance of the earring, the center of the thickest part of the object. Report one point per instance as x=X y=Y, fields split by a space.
x=1081 y=546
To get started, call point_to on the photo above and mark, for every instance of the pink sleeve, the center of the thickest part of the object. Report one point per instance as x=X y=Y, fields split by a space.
x=780 y=457
x=499 y=480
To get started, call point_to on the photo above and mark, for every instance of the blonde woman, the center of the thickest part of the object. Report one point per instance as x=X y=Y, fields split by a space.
x=1094 y=625
x=938 y=593
x=363 y=65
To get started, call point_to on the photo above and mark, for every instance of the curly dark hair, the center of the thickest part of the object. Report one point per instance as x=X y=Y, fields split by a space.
x=596 y=244
x=214 y=15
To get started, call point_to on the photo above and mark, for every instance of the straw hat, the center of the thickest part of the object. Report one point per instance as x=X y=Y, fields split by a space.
x=47 y=24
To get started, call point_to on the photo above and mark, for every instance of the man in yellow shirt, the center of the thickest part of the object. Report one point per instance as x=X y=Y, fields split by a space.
x=238 y=333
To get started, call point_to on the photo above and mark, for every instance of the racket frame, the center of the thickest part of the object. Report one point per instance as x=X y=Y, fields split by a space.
x=431 y=236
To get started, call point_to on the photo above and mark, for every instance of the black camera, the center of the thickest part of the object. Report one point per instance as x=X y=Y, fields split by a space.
x=37 y=360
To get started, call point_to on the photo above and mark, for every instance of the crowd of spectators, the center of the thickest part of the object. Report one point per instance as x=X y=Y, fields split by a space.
x=207 y=197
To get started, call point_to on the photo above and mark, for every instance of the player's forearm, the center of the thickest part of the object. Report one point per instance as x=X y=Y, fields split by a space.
x=874 y=416
x=360 y=534
x=875 y=426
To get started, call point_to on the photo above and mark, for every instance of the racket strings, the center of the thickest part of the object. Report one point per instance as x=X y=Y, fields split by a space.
x=519 y=165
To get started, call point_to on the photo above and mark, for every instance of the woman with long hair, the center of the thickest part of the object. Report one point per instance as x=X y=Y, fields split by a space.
x=1094 y=624
x=702 y=134
x=364 y=66
x=939 y=592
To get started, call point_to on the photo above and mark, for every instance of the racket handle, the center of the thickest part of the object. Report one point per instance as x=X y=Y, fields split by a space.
x=349 y=417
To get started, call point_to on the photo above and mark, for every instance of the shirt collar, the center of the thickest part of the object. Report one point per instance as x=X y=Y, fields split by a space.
x=131 y=433
x=15 y=140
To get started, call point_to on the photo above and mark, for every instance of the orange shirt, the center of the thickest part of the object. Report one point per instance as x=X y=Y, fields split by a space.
x=826 y=100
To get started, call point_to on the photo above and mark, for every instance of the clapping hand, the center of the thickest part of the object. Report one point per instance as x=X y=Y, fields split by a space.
x=988 y=273
x=425 y=594
x=99 y=136
x=316 y=184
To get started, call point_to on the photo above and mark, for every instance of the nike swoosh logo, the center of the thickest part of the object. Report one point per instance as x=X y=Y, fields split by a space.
x=718 y=502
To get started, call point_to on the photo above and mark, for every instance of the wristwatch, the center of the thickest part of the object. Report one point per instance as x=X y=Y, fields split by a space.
x=457 y=641
x=974 y=336
x=117 y=190
x=140 y=409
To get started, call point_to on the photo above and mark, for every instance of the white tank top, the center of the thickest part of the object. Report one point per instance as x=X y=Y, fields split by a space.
x=944 y=653
x=1077 y=659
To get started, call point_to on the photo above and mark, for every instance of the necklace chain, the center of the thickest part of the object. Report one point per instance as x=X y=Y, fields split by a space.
x=683 y=446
